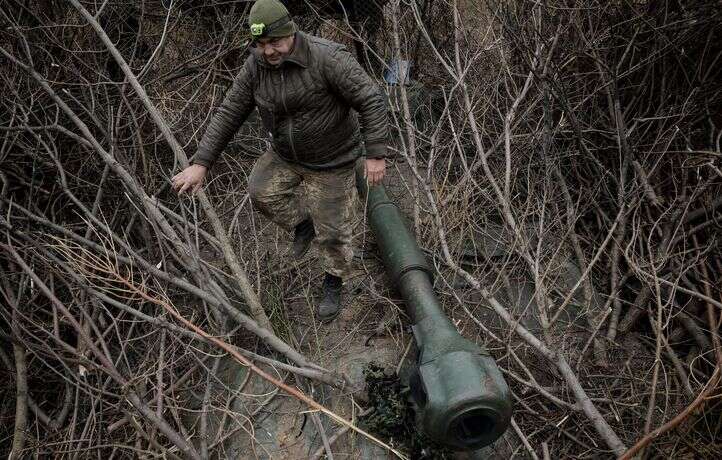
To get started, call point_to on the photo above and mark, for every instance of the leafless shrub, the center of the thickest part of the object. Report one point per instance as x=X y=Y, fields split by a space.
x=563 y=166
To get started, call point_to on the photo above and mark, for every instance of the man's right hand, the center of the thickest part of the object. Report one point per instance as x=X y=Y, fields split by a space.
x=190 y=178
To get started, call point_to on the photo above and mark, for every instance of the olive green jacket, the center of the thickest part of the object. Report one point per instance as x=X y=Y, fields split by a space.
x=305 y=104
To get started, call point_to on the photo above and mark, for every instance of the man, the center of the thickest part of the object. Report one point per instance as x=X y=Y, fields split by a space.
x=310 y=94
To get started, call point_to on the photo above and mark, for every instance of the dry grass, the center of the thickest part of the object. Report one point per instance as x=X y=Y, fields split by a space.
x=560 y=164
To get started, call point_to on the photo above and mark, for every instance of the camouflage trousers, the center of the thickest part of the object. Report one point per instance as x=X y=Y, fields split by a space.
x=287 y=194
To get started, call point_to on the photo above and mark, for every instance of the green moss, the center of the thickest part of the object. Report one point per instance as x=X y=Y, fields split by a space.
x=393 y=418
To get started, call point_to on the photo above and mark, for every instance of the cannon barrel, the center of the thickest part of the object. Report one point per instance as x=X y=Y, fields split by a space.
x=461 y=398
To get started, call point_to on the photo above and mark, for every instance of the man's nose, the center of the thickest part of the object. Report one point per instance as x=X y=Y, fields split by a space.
x=268 y=51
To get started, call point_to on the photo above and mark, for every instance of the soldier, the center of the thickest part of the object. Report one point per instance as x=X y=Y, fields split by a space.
x=316 y=103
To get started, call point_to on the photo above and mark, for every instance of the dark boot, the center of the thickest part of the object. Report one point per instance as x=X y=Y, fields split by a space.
x=330 y=306
x=303 y=235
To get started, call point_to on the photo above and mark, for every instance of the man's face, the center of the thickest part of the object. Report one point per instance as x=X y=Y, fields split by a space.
x=275 y=49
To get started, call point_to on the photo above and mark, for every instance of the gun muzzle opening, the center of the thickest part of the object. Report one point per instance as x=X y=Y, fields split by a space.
x=473 y=427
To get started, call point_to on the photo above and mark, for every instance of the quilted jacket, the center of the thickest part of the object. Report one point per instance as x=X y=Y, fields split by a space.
x=314 y=106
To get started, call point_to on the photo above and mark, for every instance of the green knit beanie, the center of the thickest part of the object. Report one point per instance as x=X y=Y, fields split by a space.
x=269 y=18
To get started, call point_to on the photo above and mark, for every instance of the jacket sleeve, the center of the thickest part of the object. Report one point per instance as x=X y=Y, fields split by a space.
x=349 y=81
x=230 y=115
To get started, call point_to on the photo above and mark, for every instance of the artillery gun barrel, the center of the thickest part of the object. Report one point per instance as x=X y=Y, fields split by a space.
x=461 y=398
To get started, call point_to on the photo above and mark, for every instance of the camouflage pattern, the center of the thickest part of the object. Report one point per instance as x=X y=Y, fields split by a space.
x=327 y=196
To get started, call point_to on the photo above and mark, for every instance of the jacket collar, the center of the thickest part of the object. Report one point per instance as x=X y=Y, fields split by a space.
x=299 y=55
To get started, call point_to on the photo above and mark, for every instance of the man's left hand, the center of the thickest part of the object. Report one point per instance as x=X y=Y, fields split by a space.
x=375 y=170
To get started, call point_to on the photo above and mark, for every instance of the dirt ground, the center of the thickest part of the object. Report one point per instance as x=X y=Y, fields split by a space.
x=372 y=328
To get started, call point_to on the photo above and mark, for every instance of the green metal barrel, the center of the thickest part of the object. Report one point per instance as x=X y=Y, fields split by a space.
x=461 y=398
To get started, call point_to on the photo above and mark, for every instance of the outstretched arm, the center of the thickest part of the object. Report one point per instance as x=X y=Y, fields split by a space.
x=230 y=115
